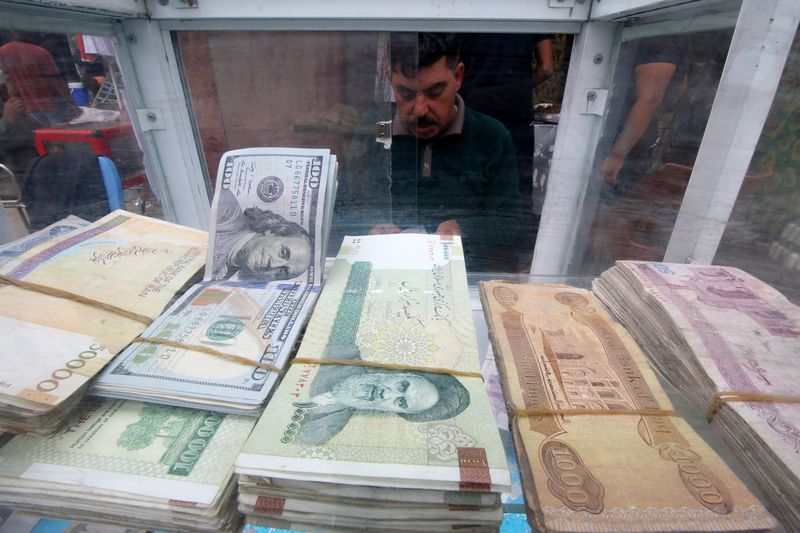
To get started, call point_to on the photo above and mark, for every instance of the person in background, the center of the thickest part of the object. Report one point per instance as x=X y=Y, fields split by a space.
x=17 y=127
x=33 y=77
x=501 y=72
x=659 y=65
x=450 y=170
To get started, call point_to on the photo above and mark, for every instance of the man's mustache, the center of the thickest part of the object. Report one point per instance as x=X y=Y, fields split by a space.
x=422 y=121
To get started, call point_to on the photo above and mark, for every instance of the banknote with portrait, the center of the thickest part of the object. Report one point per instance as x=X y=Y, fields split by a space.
x=262 y=277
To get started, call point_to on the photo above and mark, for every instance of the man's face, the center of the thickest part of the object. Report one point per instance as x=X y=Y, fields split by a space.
x=425 y=103
x=272 y=257
x=398 y=392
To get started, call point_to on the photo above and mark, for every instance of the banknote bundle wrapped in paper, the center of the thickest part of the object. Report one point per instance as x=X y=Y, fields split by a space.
x=269 y=223
x=53 y=345
x=129 y=463
x=409 y=442
x=722 y=336
x=565 y=366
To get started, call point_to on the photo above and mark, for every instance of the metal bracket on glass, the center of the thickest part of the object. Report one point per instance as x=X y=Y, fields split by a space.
x=562 y=3
x=594 y=101
x=150 y=119
x=383 y=133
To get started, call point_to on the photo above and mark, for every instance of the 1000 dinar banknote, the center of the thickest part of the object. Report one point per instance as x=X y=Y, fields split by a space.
x=558 y=350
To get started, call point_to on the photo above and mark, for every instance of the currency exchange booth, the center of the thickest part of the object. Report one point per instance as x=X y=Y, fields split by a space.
x=660 y=130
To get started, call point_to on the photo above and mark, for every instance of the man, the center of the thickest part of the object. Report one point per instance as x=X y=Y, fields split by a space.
x=451 y=170
x=258 y=246
x=338 y=391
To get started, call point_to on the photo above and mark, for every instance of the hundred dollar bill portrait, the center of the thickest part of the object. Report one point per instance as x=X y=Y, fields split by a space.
x=339 y=391
x=257 y=245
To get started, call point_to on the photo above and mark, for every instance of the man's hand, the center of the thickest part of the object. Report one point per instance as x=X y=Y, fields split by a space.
x=383 y=228
x=448 y=227
x=13 y=109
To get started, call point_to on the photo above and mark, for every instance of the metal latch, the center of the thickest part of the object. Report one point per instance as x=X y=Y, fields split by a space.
x=595 y=101
x=383 y=133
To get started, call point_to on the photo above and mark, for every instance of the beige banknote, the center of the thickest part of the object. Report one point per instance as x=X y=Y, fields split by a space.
x=52 y=346
x=557 y=350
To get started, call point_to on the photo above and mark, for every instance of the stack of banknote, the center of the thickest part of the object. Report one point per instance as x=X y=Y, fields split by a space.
x=130 y=464
x=717 y=330
x=407 y=443
x=269 y=223
x=600 y=447
x=53 y=345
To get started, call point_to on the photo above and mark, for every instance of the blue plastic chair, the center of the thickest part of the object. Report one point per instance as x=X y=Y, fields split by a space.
x=112 y=182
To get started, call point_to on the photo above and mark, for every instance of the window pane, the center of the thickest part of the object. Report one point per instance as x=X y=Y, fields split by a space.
x=660 y=100
x=61 y=109
x=334 y=89
x=763 y=233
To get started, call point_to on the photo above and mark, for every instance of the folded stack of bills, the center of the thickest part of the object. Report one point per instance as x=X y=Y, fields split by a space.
x=130 y=464
x=731 y=344
x=600 y=447
x=408 y=442
x=269 y=223
x=52 y=344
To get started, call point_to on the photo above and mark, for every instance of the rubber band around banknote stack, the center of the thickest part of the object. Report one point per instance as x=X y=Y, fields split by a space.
x=59 y=293
x=388 y=366
x=721 y=398
x=516 y=413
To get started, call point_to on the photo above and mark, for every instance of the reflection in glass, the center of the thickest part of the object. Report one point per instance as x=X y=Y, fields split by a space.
x=60 y=112
x=333 y=90
x=763 y=233
x=660 y=100
x=453 y=170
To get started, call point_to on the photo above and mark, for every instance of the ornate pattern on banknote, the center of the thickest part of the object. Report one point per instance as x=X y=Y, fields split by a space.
x=682 y=519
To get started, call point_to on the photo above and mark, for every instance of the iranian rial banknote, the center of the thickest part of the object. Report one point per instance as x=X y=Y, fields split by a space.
x=20 y=246
x=262 y=277
x=391 y=299
x=557 y=349
x=52 y=346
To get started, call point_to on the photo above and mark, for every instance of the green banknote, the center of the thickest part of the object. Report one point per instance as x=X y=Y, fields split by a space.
x=125 y=451
x=393 y=300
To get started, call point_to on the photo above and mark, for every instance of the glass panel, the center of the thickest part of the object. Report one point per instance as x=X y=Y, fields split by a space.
x=659 y=102
x=334 y=89
x=285 y=89
x=61 y=109
x=763 y=233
